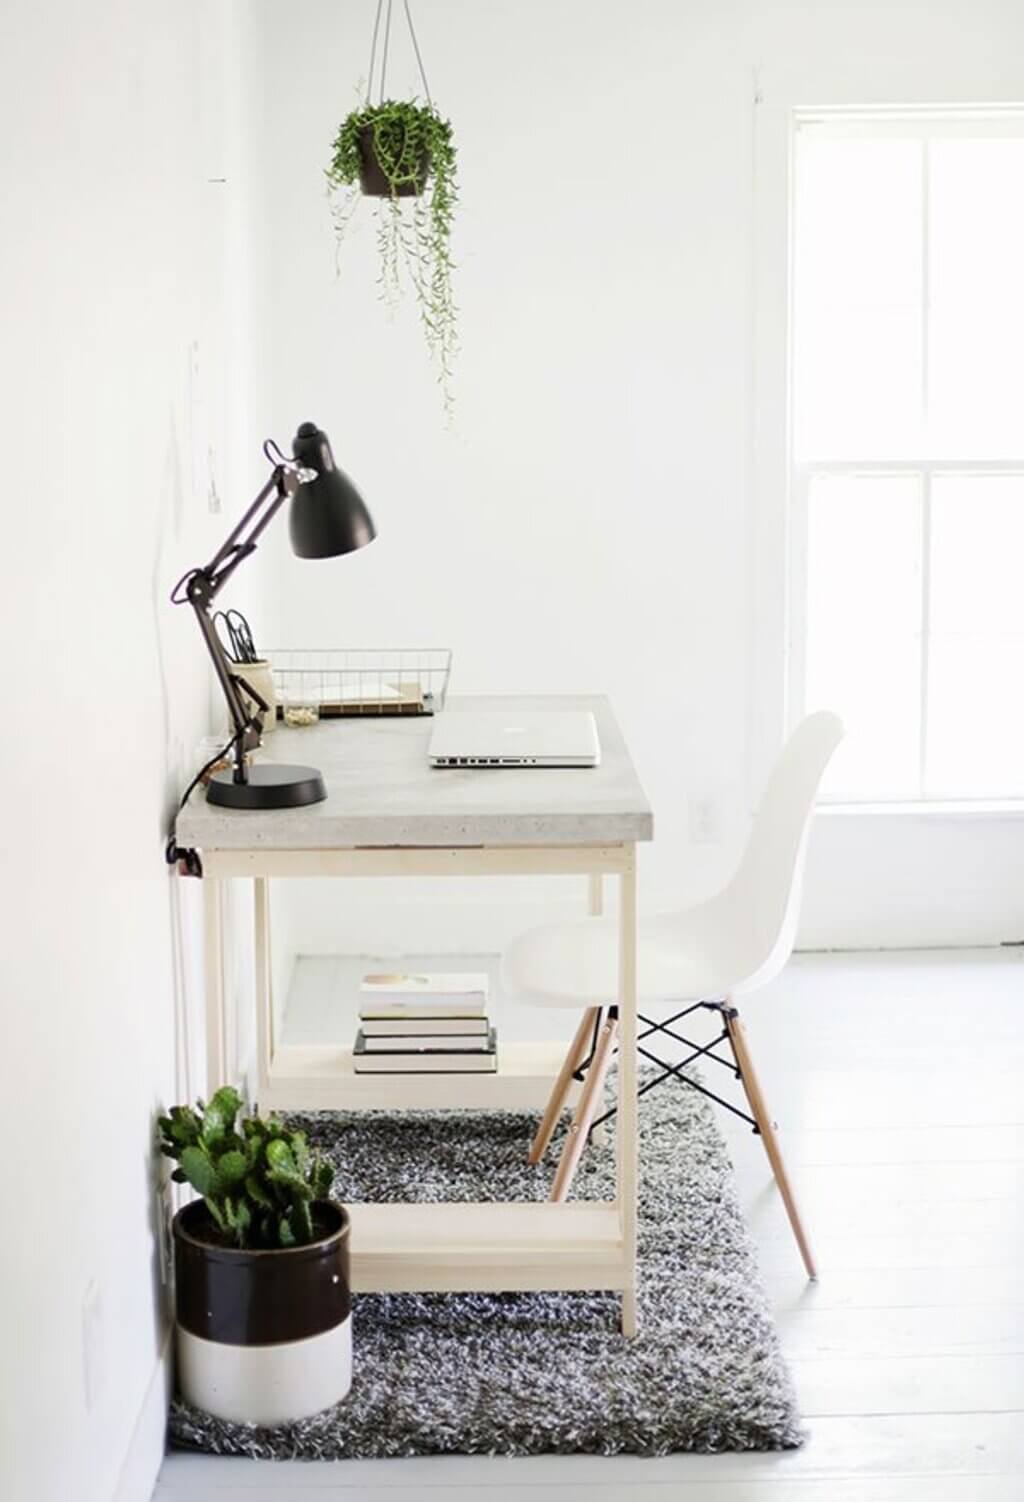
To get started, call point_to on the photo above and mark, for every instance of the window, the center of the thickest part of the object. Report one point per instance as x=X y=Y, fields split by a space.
x=907 y=449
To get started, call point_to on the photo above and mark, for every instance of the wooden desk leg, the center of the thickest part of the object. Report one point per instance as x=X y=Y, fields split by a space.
x=626 y=1135
x=213 y=945
x=264 y=985
x=598 y=1134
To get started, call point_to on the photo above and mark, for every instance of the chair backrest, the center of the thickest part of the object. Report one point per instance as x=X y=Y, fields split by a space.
x=764 y=895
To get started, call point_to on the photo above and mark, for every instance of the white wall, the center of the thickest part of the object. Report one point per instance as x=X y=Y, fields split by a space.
x=583 y=528
x=598 y=520
x=113 y=121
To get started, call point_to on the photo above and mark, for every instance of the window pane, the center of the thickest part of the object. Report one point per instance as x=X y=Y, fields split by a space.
x=975 y=740
x=858 y=298
x=976 y=260
x=864 y=628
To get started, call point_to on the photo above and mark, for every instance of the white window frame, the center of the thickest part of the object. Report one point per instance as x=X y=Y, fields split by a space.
x=956 y=121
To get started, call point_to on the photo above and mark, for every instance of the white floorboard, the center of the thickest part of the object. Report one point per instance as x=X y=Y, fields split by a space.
x=896 y=1082
x=756 y=1489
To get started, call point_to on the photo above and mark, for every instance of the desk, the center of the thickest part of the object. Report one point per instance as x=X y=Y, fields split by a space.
x=388 y=813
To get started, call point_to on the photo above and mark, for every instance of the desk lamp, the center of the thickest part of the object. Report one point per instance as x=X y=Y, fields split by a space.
x=327 y=518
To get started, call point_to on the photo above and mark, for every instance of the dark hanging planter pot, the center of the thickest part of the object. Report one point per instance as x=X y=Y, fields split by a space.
x=374 y=181
x=263 y=1337
x=399 y=149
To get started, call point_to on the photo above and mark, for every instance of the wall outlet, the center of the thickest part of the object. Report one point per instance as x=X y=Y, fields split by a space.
x=705 y=821
x=94 y=1355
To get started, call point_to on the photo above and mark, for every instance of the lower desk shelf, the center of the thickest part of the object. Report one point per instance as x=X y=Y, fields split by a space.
x=448 y=1247
x=320 y=1077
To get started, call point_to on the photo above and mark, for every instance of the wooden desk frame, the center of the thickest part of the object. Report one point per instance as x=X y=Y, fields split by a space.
x=449 y=1247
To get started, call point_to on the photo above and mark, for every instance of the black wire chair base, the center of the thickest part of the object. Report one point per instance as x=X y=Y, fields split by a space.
x=675 y=1071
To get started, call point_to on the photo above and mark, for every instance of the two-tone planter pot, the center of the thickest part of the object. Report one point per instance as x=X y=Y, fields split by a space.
x=263 y=1337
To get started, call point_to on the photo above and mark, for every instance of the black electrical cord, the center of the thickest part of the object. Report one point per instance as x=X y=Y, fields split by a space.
x=173 y=852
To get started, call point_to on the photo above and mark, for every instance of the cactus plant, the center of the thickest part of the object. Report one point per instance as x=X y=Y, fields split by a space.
x=258 y=1178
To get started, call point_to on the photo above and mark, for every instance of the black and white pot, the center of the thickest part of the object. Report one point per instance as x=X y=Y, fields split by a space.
x=263 y=1337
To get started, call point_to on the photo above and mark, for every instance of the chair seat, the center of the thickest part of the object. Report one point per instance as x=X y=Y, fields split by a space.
x=682 y=957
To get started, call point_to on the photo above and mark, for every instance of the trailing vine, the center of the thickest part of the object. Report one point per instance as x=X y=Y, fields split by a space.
x=414 y=150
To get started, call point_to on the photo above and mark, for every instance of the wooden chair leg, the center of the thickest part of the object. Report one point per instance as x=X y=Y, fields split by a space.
x=768 y=1132
x=574 y=1057
x=586 y=1110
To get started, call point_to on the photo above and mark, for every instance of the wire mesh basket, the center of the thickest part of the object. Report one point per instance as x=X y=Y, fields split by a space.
x=332 y=682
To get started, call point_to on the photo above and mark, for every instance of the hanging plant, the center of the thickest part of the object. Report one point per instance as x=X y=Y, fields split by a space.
x=401 y=154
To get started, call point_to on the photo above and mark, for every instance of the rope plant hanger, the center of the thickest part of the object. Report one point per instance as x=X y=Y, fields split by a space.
x=400 y=153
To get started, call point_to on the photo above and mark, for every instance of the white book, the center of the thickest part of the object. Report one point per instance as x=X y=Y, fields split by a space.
x=394 y=1011
x=459 y=994
x=415 y=1027
x=479 y=1061
x=453 y=985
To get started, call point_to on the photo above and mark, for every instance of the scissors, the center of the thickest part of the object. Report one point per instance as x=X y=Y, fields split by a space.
x=239 y=645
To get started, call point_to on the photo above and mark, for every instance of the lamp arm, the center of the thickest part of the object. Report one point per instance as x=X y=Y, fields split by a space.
x=231 y=542
x=236 y=707
x=201 y=586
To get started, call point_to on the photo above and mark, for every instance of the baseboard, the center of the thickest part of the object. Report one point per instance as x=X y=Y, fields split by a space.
x=146 y=1449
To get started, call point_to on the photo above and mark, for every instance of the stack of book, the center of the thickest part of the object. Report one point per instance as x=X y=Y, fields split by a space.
x=424 y=1024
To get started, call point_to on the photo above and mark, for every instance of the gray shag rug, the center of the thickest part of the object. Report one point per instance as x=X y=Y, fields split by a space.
x=547 y=1373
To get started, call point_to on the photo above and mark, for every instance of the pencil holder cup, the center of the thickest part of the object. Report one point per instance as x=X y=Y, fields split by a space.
x=259 y=678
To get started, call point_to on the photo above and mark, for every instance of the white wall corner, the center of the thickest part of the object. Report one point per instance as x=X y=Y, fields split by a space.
x=145 y=1454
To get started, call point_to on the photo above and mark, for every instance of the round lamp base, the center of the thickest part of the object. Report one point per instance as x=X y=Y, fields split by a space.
x=270 y=785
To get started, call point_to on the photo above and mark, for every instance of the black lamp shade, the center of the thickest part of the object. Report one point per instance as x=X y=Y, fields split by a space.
x=328 y=515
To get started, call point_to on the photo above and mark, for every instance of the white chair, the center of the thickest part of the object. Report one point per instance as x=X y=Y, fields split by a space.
x=705 y=956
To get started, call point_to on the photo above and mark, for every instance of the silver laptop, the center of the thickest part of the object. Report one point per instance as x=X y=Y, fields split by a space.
x=556 y=738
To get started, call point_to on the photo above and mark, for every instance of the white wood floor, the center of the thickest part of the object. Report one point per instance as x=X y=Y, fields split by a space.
x=897 y=1083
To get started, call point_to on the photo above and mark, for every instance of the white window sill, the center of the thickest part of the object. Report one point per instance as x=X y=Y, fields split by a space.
x=969 y=808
